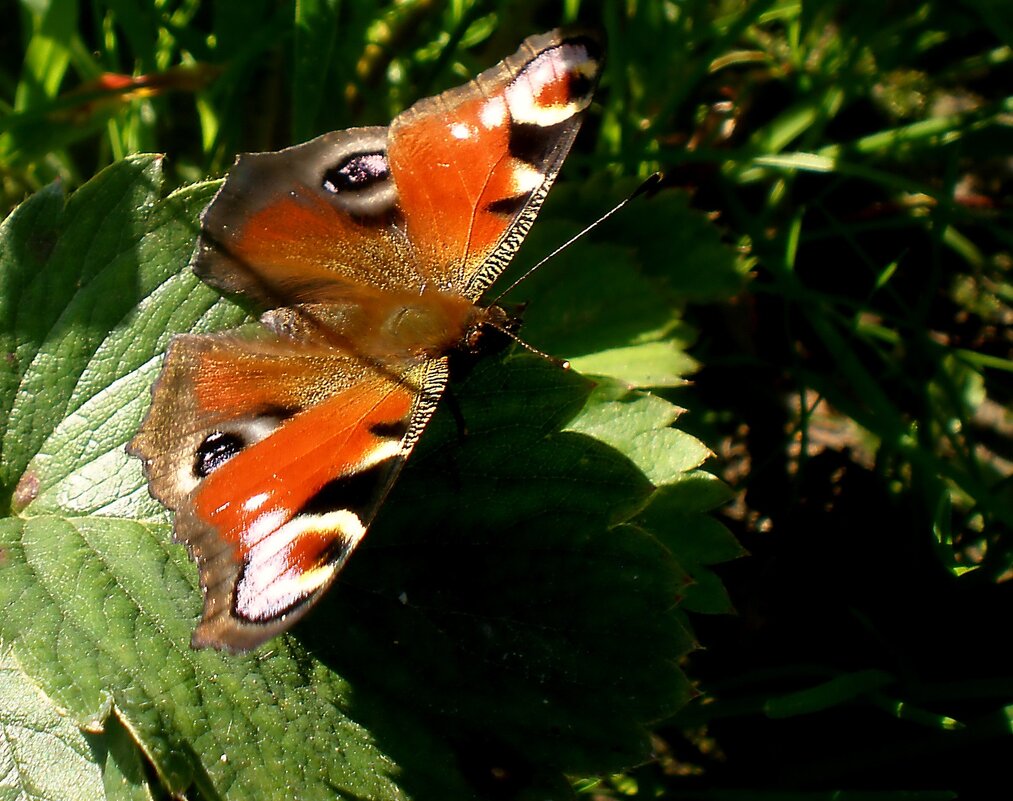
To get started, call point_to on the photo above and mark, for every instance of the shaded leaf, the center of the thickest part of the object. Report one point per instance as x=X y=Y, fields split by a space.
x=828 y=694
x=697 y=540
x=123 y=774
x=669 y=240
x=313 y=46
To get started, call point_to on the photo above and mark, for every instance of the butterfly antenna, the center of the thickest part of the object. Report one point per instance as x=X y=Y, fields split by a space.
x=646 y=186
x=562 y=364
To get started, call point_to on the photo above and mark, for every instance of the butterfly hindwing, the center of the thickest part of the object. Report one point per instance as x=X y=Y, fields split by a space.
x=369 y=249
x=287 y=454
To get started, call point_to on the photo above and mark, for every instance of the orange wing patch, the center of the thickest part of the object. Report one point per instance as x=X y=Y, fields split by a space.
x=473 y=165
x=299 y=235
x=261 y=489
x=449 y=168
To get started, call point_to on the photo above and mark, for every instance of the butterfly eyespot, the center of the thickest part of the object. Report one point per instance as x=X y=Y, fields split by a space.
x=555 y=85
x=357 y=173
x=214 y=451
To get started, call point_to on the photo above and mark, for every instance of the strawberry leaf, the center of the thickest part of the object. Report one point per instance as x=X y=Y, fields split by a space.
x=509 y=620
x=43 y=755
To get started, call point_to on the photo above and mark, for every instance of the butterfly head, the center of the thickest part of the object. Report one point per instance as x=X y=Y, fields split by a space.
x=484 y=318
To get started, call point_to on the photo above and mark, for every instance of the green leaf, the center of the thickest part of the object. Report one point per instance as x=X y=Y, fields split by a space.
x=831 y=693
x=43 y=755
x=70 y=274
x=111 y=605
x=316 y=29
x=651 y=364
x=504 y=618
x=638 y=425
x=593 y=307
x=52 y=28
x=53 y=23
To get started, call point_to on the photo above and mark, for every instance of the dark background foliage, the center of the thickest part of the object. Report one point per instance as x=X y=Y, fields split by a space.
x=855 y=157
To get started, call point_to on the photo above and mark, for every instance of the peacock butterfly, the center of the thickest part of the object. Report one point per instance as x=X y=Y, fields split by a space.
x=369 y=249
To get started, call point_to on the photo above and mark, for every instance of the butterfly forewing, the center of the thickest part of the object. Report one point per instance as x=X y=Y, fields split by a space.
x=473 y=164
x=314 y=222
x=369 y=248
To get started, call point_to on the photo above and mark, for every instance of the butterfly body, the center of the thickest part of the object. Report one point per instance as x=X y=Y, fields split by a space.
x=369 y=249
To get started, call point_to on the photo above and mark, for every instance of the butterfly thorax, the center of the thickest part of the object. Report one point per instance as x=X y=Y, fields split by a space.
x=391 y=326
